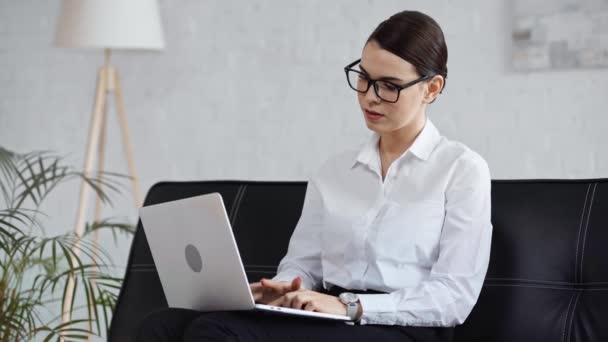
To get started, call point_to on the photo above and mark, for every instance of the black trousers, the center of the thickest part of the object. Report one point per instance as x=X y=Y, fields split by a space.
x=195 y=326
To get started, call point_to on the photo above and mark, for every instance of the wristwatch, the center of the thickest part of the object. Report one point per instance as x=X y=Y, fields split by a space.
x=350 y=300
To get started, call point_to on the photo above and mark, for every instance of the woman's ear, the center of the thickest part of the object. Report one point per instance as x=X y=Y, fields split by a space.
x=433 y=88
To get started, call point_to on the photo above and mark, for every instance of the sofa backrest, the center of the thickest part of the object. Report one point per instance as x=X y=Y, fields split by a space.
x=548 y=275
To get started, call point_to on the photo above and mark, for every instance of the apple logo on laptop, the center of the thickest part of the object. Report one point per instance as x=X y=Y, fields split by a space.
x=193 y=258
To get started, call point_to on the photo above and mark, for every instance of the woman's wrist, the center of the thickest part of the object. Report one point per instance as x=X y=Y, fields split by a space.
x=359 y=311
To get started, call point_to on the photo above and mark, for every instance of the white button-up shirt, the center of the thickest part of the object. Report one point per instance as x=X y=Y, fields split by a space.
x=422 y=235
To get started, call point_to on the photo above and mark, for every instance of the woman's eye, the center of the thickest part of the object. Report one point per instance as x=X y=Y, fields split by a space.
x=388 y=86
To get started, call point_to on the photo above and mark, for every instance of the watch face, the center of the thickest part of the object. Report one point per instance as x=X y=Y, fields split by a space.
x=348 y=298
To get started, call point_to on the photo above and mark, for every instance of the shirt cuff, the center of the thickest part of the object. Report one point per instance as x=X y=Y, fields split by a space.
x=373 y=304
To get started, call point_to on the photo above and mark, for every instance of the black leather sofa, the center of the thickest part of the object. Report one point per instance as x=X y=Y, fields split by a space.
x=548 y=274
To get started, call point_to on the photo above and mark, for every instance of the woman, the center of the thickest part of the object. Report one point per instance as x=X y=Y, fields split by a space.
x=395 y=234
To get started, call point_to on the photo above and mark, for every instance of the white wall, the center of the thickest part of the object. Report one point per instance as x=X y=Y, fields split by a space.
x=255 y=90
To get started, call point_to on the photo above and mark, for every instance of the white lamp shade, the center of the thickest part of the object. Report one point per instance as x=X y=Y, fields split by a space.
x=112 y=24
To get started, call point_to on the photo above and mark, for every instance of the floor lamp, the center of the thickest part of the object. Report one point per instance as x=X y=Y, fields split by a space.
x=107 y=25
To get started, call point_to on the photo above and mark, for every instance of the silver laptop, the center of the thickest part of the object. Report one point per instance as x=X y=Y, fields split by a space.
x=197 y=258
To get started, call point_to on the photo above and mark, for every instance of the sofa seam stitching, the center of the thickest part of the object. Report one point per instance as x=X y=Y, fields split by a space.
x=237 y=200
x=550 y=281
x=587 y=229
x=578 y=295
x=566 y=318
x=547 y=287
x=238 y=205
x=580 y=229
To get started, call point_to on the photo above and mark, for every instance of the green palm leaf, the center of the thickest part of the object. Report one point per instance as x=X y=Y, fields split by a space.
x=28 y=179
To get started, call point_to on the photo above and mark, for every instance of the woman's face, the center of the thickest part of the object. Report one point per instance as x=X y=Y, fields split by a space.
x=385 y=117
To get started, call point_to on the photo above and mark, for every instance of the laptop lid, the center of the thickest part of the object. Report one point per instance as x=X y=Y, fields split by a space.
x=195 y=253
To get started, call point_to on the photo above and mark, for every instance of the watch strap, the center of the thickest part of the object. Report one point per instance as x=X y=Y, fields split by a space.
x=351 y=310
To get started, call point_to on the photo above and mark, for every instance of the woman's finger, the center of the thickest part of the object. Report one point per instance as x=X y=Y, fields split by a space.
x=256 y=291
x=277 y=302
x=310 y=306
x=299 y=301
x=282 y=287
x=296 y=299
x=257 y=295
x=278 y=286
x=255 y=286
x=296 y=283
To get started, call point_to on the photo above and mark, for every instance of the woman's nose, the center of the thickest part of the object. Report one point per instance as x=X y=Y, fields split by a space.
x=371 y=95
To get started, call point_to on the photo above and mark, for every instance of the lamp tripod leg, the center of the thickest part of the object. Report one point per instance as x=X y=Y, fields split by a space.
x=98 y=205
x=93 y=140
x=128 y=148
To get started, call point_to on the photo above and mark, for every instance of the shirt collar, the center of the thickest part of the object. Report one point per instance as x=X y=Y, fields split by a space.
x=422 y=147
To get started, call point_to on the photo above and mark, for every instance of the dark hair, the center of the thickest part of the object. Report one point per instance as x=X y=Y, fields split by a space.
x=417 y=38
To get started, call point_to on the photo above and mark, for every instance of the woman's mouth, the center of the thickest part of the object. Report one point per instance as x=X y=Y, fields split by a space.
x=373 y=116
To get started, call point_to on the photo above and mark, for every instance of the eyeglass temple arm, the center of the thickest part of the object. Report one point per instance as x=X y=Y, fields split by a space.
x=352 y=64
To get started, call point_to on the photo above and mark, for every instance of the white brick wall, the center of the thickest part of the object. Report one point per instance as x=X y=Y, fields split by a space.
x=255 y=90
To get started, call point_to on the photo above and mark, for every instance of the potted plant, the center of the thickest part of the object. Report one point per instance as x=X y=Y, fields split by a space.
x=35 y=268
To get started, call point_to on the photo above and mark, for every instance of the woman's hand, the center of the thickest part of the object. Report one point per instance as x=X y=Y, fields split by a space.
x=266 y=291
x=311 y=301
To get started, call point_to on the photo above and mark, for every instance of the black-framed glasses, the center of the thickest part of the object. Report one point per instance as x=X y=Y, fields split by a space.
x=385 y=90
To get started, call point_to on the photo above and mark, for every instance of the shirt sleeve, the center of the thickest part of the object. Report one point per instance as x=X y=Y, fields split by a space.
x=451 y=290
x=303 y=256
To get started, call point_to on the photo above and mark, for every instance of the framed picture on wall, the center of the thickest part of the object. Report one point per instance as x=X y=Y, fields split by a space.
x=559 y=34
